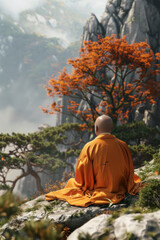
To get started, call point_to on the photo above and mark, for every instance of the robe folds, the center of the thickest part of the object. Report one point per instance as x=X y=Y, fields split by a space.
x=104 y=173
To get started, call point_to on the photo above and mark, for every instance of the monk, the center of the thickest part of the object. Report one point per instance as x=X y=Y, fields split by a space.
x=104 y=171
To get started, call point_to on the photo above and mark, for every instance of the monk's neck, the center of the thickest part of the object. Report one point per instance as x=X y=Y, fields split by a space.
x=104 y=133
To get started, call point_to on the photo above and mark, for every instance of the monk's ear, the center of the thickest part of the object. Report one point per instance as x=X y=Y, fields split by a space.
x=96 y=130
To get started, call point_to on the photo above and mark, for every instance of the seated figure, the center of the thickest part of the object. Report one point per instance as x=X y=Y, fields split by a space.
x=104 y=171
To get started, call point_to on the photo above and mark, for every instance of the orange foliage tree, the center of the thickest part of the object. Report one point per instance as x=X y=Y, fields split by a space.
x=118 y=74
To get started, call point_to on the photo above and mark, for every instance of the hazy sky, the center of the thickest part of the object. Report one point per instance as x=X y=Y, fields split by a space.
x=14 y=7
x=8 y=117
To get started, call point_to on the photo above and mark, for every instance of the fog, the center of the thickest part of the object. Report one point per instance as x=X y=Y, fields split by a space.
x=12 y=120
x=89 y=6
x=15 y=7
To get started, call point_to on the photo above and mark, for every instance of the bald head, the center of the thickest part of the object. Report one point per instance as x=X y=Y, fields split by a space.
x=103 y=124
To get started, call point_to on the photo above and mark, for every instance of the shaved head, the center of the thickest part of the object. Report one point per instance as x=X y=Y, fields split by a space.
x=103 y=124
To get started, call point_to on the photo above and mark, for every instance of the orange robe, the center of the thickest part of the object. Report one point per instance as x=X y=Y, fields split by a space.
x=104 y=173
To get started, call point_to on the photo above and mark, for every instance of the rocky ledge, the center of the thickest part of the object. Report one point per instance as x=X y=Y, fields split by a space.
x=97 y=221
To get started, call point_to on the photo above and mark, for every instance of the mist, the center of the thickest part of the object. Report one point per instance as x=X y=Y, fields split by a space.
x=13 y=116
x=15 y=7
x=13 y=121
x=88 y=6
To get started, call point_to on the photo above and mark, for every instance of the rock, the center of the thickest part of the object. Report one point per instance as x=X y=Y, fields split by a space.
x=139 y=21
x=56 y=211
x=92 y=29
x=94 y=220
x=140 y=226
x=95 y=227
x=136 y=226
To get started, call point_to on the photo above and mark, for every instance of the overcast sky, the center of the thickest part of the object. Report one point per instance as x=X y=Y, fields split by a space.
x=14 y=7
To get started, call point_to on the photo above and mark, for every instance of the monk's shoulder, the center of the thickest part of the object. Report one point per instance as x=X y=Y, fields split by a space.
x=122 y=143
x=89 y=144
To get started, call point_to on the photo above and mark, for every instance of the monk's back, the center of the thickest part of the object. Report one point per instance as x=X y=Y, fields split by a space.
x=110 y=163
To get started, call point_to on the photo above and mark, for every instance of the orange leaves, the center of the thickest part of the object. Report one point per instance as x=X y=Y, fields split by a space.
x=99 y=78
x=156 y=173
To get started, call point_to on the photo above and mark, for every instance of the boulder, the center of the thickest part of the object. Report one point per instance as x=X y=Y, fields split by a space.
x=96 y=221
x=139 y=226
x=56 y=211
x=96 y=227
x=127 y=226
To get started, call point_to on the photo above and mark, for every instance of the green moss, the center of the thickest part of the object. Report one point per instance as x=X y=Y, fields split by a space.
x=84 y=236
x=130 y=236
x=34 y=208
x=3 y=221
x=138 y=218
x=153 y=235
x=77 y=214
x=107 y=231
x=55 y=202
x=39 y=200
x=115 y=215
x=48 y=208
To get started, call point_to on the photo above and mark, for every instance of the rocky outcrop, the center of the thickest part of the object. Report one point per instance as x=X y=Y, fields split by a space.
x=135 y=226
x=96 y=221
x=56 y=211
x=92 y=29
x=139 y=21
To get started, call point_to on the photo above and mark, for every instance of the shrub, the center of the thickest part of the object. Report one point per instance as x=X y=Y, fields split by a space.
x=8 y=205
x=137 y=132
x=149 y=196
x=41 y=230
x=151 y=168
x=141 y=153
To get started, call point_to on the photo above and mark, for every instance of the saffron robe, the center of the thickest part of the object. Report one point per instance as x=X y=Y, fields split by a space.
x=104 y=173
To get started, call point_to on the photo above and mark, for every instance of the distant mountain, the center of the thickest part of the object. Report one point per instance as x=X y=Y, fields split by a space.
x=31 y=50
x=54 y=19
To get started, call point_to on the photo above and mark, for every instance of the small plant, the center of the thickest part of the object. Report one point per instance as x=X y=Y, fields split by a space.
x=138 y=218
x=151 y=168
x=130 y=236
x=48 y=208
x=149 y=195
x=153 y=235
x=55 y=202
x=36 y=207
x=78 y=214
x=115 y=215
x=39 y=200
x=84 y=236
x=8 y=205
x=41 y=230
x=107 y=231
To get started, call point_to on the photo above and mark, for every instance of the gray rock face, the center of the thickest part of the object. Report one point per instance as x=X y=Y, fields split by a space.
x=95 y=227
x=56 y=211
x=94 y=220
x=92 y=29
x=134 y=225
x=142 y=226
x=139 y=21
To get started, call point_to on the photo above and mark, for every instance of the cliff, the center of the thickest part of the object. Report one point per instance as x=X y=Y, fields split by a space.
x=138 y=21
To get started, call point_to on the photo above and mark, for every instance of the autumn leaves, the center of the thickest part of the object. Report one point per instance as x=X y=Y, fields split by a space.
x=111 y=76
